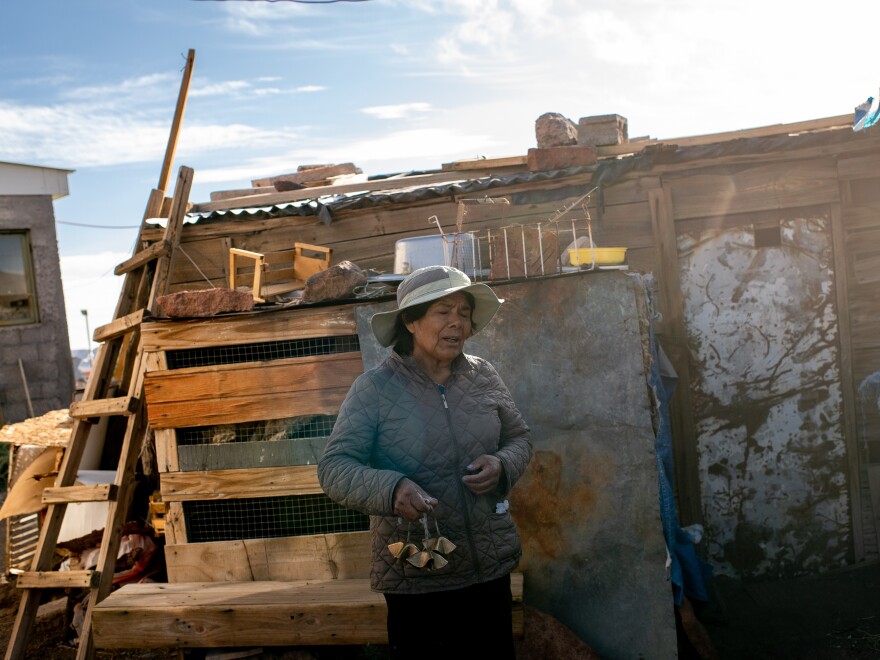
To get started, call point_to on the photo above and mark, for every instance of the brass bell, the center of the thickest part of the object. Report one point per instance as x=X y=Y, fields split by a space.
x=401 y=550
x=444 y=545
x=420 y=559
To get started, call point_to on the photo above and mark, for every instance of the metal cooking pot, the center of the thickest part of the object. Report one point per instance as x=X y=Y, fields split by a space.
x=436 y=250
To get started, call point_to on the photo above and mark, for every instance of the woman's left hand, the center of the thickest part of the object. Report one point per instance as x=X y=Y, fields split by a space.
x=483 y=474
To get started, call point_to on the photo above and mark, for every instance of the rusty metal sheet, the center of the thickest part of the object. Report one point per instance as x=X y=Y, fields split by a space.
x=570 y=348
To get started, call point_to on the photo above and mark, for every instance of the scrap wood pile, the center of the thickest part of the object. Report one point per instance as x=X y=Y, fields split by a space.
x=306 y=176
x=39 y=444
x=49 y=430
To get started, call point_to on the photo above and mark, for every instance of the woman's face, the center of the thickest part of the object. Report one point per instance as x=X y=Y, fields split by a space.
x=439 y=335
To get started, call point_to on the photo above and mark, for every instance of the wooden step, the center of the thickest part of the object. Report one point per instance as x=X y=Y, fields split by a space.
x=156 y=250
x=123 y=405
x=119 y=327
x=57 y=580
x=89 y=493
x=237 y=614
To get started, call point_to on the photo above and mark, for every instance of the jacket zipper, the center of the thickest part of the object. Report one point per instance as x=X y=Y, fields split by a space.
x=462 y=489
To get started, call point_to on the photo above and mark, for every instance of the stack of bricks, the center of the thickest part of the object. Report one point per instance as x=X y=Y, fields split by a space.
x=562 y=144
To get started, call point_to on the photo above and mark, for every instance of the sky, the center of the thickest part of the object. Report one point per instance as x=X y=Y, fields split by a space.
x=389 y=85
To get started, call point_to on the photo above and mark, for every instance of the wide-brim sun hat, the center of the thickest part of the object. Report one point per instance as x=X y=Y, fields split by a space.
x=432 y=283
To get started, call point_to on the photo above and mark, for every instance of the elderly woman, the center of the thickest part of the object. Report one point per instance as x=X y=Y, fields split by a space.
x=428 y=444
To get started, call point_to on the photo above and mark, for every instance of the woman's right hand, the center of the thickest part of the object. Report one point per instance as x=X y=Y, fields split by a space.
x=410 y=501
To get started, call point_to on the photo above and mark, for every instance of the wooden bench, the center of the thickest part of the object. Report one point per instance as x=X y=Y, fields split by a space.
x=255 y=613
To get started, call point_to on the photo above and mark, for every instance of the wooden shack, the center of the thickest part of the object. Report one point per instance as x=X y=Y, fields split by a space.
x=793 y=331
x=256 y=554
x=758 y=248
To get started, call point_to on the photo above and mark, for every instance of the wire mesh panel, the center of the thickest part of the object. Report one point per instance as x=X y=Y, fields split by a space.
x=288 y=428
x=269 y=517
x=270 y=443
x=261 y=352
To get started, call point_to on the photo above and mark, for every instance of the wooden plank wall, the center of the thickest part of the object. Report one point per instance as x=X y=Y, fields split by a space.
x=644 y=211
x=367 y=237
x=248 y=392
x=858 y=236
x=736 y=193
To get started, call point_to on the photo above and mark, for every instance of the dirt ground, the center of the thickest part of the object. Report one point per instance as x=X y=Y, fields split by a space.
x=835 y=616
x=831 y=617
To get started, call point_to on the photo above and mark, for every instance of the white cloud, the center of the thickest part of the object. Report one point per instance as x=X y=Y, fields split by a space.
x=201 y=138
x=140 y=86
x=310 y=88
x=79 y=136
x=220 y=89
x=84 y=136
x=398 y=111
x=429 y=144
x=425 y=145
x=271 y=19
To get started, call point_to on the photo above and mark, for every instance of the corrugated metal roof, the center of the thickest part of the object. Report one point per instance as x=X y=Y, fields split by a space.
x=325 y=206
x=605 y=173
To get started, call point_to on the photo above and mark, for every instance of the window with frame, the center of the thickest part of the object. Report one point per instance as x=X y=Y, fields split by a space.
x=18 y=293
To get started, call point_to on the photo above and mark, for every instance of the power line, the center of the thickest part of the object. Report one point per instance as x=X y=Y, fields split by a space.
x=302 y=2
x=80 y=224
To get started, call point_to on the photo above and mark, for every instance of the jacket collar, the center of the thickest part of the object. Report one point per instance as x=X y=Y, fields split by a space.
x=461 y=364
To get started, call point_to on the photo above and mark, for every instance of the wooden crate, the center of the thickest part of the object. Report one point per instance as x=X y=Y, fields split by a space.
x=226 y=397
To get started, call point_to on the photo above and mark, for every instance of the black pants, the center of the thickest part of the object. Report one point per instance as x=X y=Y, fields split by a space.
x=462 y=623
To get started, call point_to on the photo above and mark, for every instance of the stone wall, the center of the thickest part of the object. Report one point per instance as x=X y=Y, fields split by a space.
x=43 y=347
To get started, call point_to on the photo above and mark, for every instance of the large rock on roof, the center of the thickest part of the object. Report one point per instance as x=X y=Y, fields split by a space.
x=554 y=130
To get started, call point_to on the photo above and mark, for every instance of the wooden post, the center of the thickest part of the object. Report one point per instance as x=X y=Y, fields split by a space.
x=165 y=175
x=27 y=392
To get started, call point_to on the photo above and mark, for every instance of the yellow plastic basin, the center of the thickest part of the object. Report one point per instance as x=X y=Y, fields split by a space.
x=601 y=256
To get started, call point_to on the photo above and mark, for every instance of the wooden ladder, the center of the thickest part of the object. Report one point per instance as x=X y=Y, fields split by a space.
x=119 y=354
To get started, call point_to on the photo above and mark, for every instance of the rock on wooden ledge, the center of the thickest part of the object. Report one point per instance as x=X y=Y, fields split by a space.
x=205 y=302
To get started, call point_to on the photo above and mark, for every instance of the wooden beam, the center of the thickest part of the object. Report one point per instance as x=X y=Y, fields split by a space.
x=118 y=327
x=252 y=408
x=302 y=375
x=171 y=148
x=57 y=580
x=166 y=450
x=241 y=614
x=240 y=483
x=848 y=387
x=88 y=493
x=303 y=323
x=827 y=123
x=220 y=195
x=483 y=163
x=672 y=336
x=285 y=559
x=172 y=237
x=123 y=405
x=155 y=251
x=308 y=175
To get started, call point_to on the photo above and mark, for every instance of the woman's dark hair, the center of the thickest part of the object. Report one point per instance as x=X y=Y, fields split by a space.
x=403 y=339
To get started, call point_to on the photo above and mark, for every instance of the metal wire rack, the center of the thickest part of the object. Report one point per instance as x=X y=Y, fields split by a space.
x=518 y=250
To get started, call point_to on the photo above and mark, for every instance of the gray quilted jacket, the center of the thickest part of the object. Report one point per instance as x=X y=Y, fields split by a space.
x=396 y=422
